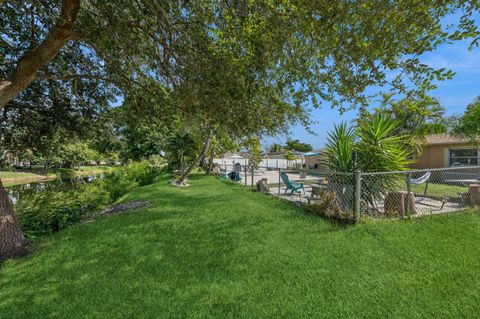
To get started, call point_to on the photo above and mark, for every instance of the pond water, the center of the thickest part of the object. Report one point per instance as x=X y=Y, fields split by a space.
x=17 y=191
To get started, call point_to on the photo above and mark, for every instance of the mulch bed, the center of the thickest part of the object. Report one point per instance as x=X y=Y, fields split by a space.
x=120 y=209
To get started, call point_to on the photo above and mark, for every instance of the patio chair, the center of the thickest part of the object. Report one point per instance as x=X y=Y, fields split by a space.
x=293 y=186
x=425 y=178
x=234 y=176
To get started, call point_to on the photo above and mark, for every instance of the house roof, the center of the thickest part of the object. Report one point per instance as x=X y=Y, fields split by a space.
x=439 y=139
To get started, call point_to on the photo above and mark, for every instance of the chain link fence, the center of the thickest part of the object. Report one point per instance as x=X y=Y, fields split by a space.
x=377 y=194
x=420 y=192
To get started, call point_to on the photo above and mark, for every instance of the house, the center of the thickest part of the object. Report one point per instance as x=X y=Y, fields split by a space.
x=314 y=161
x=9 y=158
x=444 y=150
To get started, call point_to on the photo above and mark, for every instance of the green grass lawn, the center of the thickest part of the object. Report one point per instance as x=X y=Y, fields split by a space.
x=435 y=190
x=16 y=178
x=19 y=175
x=94 y=169
x=439 y=190
x=219 y=250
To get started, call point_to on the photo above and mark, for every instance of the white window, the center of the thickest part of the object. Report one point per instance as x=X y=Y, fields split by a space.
x=463 y=157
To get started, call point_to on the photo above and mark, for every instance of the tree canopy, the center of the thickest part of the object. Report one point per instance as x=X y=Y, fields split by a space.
x=469 y=123
x=239 y=69
x=296 y=145
x=416 y=117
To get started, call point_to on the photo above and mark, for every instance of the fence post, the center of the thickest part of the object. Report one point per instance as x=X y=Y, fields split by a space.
x=358 y=194
x=279 y=181
x=409 y=191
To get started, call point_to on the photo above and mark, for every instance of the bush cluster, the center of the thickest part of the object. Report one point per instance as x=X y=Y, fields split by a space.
x=49 y=211
x=329 y=206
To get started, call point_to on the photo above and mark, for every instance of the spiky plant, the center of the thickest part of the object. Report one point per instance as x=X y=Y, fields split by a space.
x=380 y=150
x=376 y=148
x=340 y=149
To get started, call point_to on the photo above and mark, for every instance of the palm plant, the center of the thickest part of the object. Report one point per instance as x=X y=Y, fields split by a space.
x=340 y=149
x=380 y=150
x=340 y=163
x=179 y=149
x=371 y=146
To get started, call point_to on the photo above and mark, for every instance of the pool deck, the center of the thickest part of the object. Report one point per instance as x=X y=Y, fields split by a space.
x=424 y=206
x=273 y=177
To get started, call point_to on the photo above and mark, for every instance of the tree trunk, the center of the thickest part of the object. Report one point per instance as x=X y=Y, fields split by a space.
x=182 y=165
x=205 y=147
x=210 y=163
x=12 y=241
x=28 y=65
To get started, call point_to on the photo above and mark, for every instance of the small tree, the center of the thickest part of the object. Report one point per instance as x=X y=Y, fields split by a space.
x=221 y=143
x=181 y=150
x=254 y=150
x=289 y=156
x=74 y=154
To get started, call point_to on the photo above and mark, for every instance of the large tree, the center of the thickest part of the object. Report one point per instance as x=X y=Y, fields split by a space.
x=32 y=37
x=247 y=66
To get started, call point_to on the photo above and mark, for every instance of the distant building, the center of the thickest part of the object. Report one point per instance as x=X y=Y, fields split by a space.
x=444 y=150
x=9 y=158
x=314 y=161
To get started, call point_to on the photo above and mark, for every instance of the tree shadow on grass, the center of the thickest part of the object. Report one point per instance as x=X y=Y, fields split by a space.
x=194 y=239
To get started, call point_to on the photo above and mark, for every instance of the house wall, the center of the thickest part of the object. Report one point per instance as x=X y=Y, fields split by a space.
x=310 y=161
x=436 y=156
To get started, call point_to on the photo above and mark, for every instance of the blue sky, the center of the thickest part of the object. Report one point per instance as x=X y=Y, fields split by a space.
x=454 y=95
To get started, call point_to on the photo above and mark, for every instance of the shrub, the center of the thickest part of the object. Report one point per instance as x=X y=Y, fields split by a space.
x=66 y=173
x=5 y=167
x=157 y=161
x=49 y=211
x=370 y=146
x=124 y=179
x=329 y=206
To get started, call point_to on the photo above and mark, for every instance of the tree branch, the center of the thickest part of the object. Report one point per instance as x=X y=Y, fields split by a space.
x=29 y=64
x=68 y=77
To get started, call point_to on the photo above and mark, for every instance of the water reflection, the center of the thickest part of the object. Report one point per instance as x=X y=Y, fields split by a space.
x=16 y=192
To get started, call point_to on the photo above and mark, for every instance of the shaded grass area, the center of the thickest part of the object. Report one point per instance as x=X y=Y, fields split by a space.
x=219 y=250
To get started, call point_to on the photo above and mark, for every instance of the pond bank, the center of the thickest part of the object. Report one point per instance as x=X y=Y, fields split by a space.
x=27 y=177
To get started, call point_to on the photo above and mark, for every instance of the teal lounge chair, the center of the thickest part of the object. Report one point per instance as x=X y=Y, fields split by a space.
x=293 y=186
x=237 y=176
